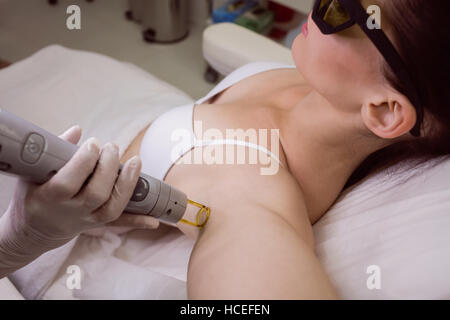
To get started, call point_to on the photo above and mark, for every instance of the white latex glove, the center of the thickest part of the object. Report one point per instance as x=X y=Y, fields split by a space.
x=86 y=193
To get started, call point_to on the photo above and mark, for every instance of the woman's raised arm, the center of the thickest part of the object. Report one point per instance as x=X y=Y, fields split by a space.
x=258 y=249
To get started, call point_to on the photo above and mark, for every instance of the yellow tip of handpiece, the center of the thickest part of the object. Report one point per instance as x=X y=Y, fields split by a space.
x=202 y=209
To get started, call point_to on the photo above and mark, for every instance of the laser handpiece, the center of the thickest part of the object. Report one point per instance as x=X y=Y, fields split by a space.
x=35 y=154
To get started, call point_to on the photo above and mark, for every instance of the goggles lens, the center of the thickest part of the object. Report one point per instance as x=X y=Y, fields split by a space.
x=332 y=13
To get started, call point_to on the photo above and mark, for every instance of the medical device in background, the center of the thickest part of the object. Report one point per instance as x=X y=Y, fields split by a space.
x=35 y=154
x=162 y=21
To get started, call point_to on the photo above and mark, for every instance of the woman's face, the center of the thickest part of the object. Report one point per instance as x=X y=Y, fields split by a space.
x=341 y=66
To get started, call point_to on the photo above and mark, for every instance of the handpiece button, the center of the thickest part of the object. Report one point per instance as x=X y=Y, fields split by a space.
x=141 y=190
x=33 y=148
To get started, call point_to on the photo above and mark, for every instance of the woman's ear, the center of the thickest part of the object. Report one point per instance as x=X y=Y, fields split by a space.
x=389 y=118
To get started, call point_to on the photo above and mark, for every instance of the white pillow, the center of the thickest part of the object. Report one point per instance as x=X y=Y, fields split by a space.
x=398 y=228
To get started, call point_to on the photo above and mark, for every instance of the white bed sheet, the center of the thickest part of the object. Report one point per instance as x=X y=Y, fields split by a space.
x=400 y=226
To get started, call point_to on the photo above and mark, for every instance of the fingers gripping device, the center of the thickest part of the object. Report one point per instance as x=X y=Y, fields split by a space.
x=35 y=154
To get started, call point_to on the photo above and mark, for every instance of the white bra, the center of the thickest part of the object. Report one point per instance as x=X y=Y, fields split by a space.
x=160 y=141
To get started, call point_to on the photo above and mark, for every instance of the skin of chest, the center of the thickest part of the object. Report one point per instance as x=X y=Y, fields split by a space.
x=240 y=96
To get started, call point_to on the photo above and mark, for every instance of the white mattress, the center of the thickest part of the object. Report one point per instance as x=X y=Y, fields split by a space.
x=402 y=229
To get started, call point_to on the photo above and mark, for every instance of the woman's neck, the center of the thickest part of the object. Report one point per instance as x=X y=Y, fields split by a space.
x=323 y=147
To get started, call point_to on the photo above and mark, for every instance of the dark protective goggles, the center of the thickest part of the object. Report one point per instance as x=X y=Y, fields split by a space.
x=333 y=16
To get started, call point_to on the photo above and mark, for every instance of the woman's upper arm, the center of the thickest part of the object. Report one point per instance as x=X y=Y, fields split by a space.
x=255 y=254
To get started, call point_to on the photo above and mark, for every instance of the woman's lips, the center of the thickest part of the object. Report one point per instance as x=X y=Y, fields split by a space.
x=305 y=29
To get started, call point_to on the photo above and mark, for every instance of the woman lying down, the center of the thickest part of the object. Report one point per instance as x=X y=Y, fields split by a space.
x=359 y=98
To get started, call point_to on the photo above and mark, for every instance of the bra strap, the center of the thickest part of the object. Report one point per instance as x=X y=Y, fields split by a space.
x=201 y=143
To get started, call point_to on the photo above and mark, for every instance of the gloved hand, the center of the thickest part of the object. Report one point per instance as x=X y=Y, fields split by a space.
x=86 y=193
